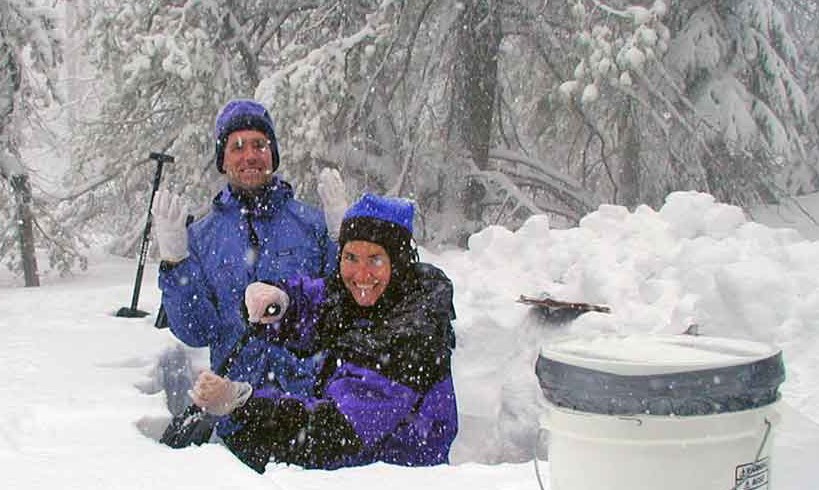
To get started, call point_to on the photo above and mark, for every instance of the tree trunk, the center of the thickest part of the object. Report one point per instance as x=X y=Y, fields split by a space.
x=25 y=228
x=475 y=84
x=477 y=77
x=629 y=179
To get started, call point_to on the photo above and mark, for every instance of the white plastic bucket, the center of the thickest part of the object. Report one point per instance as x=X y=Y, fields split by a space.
x=638 y=451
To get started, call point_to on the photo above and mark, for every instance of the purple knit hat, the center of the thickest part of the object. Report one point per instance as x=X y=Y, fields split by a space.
x=243 y=114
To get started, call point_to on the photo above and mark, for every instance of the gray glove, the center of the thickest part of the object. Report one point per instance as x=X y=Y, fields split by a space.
x=333 y=199
x=218 y=395
x=260 y=297
x=169 y=215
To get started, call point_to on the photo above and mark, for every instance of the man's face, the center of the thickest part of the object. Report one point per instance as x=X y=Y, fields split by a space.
x=248 y=159
x=365 y=270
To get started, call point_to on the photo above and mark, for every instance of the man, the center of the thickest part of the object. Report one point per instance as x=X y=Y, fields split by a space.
x=384 y=391
x=255 y=229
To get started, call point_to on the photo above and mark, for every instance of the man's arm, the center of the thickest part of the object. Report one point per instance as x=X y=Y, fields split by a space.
x=192 y=315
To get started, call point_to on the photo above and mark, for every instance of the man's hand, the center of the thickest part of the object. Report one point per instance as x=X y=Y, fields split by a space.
x=218 y=395
x=169 y=215
x=333 y=199
x=265 y=303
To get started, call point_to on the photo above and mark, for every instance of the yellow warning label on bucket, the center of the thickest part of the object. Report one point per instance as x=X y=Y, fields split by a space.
x=752 y=476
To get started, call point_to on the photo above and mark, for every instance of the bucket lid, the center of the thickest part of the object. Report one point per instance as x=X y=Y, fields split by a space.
x=631 y=355
x=660 y=375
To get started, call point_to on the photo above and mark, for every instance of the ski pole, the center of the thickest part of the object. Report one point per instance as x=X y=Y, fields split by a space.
x=133 y=312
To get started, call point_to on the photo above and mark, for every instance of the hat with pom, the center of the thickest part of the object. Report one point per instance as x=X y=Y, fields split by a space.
x=243 y=114
x=386 y=221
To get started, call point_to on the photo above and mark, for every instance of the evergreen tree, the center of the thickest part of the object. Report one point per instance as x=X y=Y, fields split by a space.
x=30 y=54
x=690 y=95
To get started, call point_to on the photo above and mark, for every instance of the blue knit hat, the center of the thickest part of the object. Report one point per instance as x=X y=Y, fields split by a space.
x=392 y=209
x=386 y=221
x=243 y=114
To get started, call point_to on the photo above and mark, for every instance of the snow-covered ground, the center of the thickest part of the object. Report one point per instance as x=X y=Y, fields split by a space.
x=81 y=405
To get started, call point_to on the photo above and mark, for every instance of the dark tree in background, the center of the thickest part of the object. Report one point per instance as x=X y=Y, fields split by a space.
x=25 y=228
x=474 y=81
x=11 y=170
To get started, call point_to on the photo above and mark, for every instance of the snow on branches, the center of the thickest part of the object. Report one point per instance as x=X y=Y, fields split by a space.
x=612 y=43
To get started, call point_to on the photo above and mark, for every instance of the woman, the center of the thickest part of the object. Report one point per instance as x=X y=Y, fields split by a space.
x=382 y=329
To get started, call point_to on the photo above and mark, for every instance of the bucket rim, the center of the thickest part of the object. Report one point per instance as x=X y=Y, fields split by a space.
x=651 y=354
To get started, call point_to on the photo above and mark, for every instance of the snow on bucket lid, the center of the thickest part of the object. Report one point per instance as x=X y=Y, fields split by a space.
x=659 y=375
x=631 y=355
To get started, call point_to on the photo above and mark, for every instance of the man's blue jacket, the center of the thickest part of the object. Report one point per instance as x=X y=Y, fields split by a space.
x=270 y=237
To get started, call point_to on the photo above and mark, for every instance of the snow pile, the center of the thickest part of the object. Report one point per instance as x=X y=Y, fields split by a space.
x=693 y=262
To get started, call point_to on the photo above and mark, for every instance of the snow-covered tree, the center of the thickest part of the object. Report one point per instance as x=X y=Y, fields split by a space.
x=684 y=94
x=29 y=58
x=803 y=15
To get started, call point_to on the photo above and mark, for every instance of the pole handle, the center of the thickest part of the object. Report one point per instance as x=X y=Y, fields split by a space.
x=146 y=232
x=161 y=157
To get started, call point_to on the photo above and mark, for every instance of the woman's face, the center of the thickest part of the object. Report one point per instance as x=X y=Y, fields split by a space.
x=365 y=270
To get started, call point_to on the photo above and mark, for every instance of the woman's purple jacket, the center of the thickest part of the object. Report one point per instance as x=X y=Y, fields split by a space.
x=384 y=388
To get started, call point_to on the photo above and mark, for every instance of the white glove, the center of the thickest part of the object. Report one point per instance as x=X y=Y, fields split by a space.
x=218 y=395
x=169 y=215
x=265 y=303
x=333 y=199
